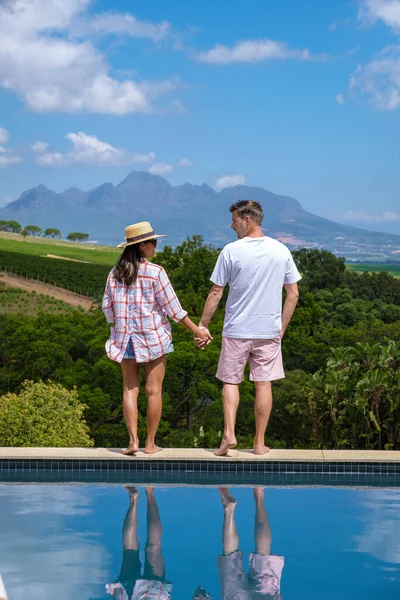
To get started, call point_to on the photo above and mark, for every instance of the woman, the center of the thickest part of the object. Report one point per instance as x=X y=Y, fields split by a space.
x=137 y=300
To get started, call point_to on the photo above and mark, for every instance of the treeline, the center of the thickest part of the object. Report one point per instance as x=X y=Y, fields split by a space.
x=50 y=232
x=341 y=353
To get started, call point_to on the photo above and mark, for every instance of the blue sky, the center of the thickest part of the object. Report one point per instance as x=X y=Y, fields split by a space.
x=302 y=98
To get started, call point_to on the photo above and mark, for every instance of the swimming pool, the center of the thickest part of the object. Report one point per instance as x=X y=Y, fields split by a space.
x=66 y=542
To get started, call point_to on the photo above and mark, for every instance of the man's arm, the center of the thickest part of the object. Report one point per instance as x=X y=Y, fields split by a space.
x=211 y=305
x=292 y=296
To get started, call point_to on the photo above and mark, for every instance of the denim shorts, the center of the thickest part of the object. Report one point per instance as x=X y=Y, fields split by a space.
x=129 y=353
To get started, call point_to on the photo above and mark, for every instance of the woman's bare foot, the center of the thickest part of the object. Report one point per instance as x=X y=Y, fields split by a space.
x=152 y=448
x=261 y=449
x=226 y=498
x=225 y=446
x=131 y=449
x=258 y=493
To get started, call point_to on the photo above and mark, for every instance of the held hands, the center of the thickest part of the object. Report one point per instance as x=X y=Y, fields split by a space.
x=202 y=337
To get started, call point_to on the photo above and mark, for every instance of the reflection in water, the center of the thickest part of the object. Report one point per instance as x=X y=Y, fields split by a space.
x=131 y=583
x=265 y=569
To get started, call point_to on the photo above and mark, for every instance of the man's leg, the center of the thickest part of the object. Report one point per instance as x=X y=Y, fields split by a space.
x=262 y=530
x=262 y=411
x=230 y=402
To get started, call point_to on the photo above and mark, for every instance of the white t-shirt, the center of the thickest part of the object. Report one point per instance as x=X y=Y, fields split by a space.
x=256 y=270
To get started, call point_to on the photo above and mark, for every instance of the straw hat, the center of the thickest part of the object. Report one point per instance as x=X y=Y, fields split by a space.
x=139 y=232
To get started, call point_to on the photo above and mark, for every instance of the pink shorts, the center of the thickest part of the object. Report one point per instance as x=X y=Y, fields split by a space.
x=262 y=581
x=265 y=357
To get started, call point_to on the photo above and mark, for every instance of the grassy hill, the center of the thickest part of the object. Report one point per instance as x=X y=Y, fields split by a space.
x=102 y=255
x=375 y=268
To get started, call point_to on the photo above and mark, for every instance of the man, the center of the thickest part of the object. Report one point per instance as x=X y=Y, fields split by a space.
x=263 y=580
x=256 y=268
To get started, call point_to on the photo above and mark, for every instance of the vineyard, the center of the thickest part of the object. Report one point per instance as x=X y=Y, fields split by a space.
x=81 y=278
x=13 y=300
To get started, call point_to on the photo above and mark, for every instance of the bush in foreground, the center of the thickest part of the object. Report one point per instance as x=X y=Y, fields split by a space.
x=43 y=414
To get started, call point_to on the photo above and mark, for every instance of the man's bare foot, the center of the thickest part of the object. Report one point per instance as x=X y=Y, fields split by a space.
x=225 y=446
x=259 y=450
x=132 y=491
x=226 y=498
x=152 y=449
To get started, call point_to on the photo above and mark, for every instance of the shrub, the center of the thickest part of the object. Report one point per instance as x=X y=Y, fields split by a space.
x=43 y=414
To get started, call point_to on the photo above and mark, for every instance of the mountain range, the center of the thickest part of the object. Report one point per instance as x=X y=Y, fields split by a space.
x=184 y=210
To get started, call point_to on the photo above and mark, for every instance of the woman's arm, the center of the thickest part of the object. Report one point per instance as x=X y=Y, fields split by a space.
x=107 y=304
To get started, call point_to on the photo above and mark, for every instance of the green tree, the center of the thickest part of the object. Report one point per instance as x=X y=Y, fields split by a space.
x=53 y=233
x=33 y=230
x=77 y=236
x=12 y=227
x=43 y=415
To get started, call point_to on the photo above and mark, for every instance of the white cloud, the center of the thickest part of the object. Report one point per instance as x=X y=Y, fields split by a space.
x=6 y=161
x=387 y=11
x=362 y=217
x=88 y=149
x=42 y=520
x=39 y=147
x=161 y=168
x=4 y=135
x=6 y=156
x=339 y=23
x=125 y=24
x=254 y=51
x=53 y=71
x=340 y=99
x=185 y=162
x=229 y=181
x=379 y=80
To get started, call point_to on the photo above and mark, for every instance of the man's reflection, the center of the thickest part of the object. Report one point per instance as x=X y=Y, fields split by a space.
x=265 y=569
x=131 y=585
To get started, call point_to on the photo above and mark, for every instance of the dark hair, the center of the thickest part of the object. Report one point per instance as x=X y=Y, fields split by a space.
x=248 y=208
x=126 y=269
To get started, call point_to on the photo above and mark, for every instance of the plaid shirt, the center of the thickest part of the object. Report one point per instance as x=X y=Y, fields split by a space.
x=139 y=312
x=144 y=589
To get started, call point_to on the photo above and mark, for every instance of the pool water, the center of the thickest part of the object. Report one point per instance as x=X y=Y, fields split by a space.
x=86 y=542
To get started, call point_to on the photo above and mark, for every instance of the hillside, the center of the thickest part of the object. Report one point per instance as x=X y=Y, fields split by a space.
x=181 y=211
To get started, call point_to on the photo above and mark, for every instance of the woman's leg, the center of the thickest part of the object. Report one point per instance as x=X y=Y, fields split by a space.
x=131 y=380
x=155 y=371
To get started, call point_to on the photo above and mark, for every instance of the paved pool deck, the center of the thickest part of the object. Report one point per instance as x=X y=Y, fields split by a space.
x=200 y=454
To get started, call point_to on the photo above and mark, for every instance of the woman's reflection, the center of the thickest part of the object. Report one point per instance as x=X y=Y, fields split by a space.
x=265 y=570
x=131 y=585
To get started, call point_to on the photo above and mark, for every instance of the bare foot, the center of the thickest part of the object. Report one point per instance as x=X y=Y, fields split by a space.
x=132 y=491
x=152 y=449
x=226 y=498
x=259 y=450
x=131 y=449
x=258 y=493
x=226 y=444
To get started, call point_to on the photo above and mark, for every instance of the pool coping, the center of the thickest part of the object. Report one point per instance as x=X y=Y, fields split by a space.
x=197 y=465
x=202 y=455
